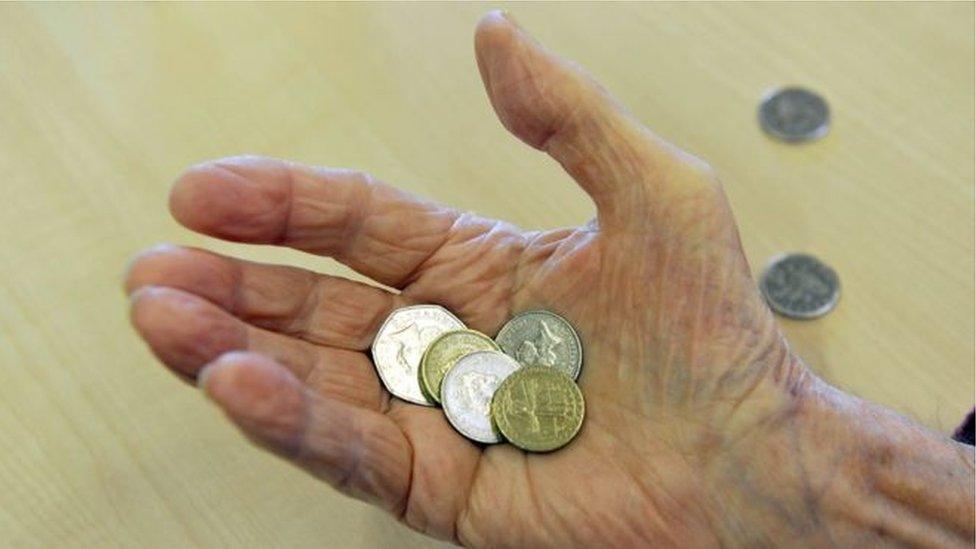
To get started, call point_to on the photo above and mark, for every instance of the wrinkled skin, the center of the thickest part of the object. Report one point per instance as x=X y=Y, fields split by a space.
x=682 y=358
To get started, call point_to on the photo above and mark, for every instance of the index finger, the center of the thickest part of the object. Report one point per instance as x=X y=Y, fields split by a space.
x=381 y=232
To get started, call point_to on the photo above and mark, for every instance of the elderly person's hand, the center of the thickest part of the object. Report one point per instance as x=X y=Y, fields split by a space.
x=702 y=427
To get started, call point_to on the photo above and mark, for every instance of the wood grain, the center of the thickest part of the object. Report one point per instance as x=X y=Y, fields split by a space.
x=102 y=105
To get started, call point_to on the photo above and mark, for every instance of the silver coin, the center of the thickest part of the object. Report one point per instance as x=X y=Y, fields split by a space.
x=541 y=338
x=800 y=286
x=400 y=343
x=794 y=115
x=467 y=390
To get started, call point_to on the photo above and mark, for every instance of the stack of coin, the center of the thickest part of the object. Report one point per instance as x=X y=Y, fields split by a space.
x=519 y=387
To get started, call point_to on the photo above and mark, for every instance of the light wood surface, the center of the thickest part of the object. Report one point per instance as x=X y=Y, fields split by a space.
x=101 y=106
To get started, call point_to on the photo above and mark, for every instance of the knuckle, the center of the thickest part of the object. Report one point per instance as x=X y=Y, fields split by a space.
x=351 y=313
x=360 y=474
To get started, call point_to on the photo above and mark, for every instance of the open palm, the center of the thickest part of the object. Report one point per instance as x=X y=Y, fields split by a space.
x=682 y=358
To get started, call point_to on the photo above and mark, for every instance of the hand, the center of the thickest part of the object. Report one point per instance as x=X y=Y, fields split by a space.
x=685 y=373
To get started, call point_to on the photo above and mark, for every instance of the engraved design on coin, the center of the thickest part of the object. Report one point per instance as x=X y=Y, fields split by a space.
x=542 y=350
x=794 y=115
x=541 y=338
x=443 y=352
x=400 y=344
x=800 y=286
x=538 y=409
x=467 y=391
x=408 y=341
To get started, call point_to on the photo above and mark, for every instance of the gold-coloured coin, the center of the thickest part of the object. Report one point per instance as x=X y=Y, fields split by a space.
x=538 y=409
x=444 y=352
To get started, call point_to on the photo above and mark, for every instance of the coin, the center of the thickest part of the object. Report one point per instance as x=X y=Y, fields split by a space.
x=538 y=409
x=800 y=286
x=541 y=338
x=467 y=390
x=794 y=115
x=443 y=352
x=400 y=344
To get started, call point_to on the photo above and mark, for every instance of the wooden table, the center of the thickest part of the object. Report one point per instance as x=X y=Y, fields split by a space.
x=102 y=105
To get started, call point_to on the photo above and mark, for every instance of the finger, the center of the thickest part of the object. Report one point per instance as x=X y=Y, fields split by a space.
x=186 y=332
x=321 y=309
x=360 y=452
x=554 y=106
x=377 y=230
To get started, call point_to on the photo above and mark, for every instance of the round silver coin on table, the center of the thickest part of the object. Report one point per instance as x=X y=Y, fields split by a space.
x=467 y=390
x=794 y=115
x=541 y=338
x=400 y=343
x=800 y=286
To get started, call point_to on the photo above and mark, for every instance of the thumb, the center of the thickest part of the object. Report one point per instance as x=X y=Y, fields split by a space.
x=552 y=105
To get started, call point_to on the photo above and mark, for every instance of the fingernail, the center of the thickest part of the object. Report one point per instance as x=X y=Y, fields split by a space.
x=226 y=359
x=162 y=247
x=141 y=292
x=203 y=375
